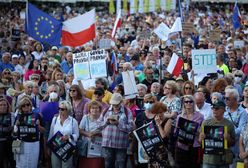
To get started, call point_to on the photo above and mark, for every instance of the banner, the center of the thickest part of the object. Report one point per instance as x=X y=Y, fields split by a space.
x=148 y=135
x=90 y=64
x=28 y=129
x=204 y=61
x=141 y=6
x=186 y=130
x=62 y=149
x=48 y=110
x=214 y=142
x=151 y=6
x=5 y=123
x=118 y=6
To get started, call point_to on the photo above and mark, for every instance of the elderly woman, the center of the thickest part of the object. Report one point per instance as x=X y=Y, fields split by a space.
x=78 y=102
x=88 y=127
x=216 y=96
x=6 y=125
x=238 y=77
x=187 y=154
x=31 y=138
x=68 y=126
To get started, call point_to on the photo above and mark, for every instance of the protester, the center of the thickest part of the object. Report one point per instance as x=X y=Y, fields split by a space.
x=68 y=126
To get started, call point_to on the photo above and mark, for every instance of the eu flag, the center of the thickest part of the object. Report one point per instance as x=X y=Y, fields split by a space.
x=42 y=27
x=236 y=18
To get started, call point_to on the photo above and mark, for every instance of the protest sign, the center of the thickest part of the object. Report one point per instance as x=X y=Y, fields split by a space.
x=142 y=156
x=130 y=88
x=48 y=110
x=5 y=123
x=188 y=27
x=204 y=61
x=148 y=135
x=214 y=142
x=90 y=64
x=28 y=129
x=104 y=43
x=186 y=131
x=95 y=147
x=214 y=35
x=239 y=44
x=62 y=149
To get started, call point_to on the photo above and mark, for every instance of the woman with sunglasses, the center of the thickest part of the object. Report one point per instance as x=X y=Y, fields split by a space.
x=78 y=102
x=6 y=125
x=27 y=127
x=186 y=154
x=188 y=88
x=68 y=126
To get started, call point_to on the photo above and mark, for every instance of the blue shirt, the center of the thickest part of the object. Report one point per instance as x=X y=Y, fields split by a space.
x=66 y=67
x=6 y=66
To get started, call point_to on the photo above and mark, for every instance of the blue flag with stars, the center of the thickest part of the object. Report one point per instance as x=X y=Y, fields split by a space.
x=42 y=27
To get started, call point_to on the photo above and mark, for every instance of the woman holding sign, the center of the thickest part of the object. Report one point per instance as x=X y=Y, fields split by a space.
x=187 y=128
x=27 y=128
x=6 y=127
x=66 y=128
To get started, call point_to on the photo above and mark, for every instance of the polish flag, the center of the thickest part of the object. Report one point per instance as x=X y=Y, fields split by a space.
x=117 y=24
x=79 y=30
x=175 y=65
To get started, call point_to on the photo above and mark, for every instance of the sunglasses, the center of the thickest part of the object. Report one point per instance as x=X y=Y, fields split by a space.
x=187 y=88
x=188 y=102
x=6 y=73
x=26 y=105
x=151 y=102
x=62 y=109
x=72 y=90
x=238 y=76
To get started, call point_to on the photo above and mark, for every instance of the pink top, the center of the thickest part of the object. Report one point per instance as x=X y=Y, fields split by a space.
x=31 y=72
x=133 y=108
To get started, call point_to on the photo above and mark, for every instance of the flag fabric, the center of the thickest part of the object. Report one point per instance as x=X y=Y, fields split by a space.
x=180 y=10
x=177 y=26
x=236 y=18
x=117 y=24
x=79 y=30
x=42 y=27
x=114 y=63
x=118 y=6
x=175 y=65
x=162 y=31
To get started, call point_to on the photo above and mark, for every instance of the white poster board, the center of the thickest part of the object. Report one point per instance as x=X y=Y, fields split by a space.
x=90 y=64
x=204 y=61
x=239 y=44
x=130 y=88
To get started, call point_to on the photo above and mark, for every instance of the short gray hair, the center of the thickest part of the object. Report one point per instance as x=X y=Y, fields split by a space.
x=28 y=83
x=233 y=92
x=218 y=95
x=142 y=85
x=67 y=105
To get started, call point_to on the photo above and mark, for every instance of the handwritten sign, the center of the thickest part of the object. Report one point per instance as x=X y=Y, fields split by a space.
x=214 y=143
x=204 y=61
x=91 y=64
x=150 y=139
x=62 y=149
x=186 y=131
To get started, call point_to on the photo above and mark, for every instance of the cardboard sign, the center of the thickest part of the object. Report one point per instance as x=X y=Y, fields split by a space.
x=188 y=27
x=214 y=142
x=104 y=44
x=62 y=149
x=148 y=135
x=5 y=123
x=204 y=61
x=214 y=35
x=186 y=131
x=48 y=110
x=91 y=64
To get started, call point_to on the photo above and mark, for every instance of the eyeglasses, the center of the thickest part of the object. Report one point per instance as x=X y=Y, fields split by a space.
x=188 y=102
x=62 y=109
x=26 y=105
x=72 y=90
x=187 y=88
x=6 y=73
x=151 y=102
x=238 y=76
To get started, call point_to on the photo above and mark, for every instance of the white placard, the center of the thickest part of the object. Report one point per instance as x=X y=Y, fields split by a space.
x=130 y=88
x=239 y=44
x=204 y=61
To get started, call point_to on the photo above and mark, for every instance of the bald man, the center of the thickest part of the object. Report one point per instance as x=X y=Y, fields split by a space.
x=201 y=106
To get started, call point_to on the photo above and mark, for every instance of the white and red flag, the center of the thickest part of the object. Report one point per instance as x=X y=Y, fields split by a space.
x=175 y=65
x=79 y=30
x=117 y=24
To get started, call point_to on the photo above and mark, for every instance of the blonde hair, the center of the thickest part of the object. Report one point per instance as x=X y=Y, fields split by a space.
x=24 y=99
x=173 y=85
x=188 y=97
x=67 y=105
x=94 y=103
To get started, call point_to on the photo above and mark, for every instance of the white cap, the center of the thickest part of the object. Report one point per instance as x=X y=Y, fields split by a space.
x=54 y=48
x=15 y=56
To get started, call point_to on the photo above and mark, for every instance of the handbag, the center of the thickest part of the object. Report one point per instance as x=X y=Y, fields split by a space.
x=17 y=146
x=82 y=143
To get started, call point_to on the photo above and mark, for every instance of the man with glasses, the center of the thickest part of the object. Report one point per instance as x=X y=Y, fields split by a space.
x=215 y=160
x=28 y=90
x=237 y=115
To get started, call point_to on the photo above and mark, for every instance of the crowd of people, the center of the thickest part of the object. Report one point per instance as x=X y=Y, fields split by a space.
x=101 y=117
